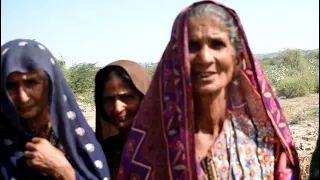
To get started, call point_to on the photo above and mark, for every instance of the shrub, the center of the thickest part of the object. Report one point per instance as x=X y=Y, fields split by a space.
x=316 y=90
x=292 y=87
x=313 y=84
x=296 y=74
x=275 y=73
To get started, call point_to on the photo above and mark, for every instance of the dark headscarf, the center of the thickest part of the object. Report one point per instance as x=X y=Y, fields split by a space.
x=138 y=79
x=76 y=137
x=138 y=76
x=161 y=141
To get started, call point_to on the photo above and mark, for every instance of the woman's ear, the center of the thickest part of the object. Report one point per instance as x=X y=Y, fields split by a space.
x=238 y=61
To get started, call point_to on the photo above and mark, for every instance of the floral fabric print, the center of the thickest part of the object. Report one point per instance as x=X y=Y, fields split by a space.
x=240 y=152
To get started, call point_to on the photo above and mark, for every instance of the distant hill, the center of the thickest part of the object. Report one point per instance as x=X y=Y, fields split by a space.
x=272 y=55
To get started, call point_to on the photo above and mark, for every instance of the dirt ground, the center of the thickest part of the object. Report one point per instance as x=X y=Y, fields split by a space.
x=303 y=116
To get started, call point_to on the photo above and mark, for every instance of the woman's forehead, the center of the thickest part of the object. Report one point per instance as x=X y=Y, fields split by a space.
x=117 y=85
x=25 y=75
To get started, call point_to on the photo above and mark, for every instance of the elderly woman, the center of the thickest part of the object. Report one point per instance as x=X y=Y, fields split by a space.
x=44 y=135
x=210 y=112
x=120 y=88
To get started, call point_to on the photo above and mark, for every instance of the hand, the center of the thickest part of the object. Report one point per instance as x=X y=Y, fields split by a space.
x=42 y=155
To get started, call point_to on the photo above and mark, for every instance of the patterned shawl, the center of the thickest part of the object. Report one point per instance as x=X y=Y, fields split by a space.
x=77 y=138
x=161 y=142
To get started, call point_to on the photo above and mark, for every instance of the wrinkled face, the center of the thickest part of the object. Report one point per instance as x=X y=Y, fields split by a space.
x=121 y=102
x=211 y=55
x=29 y=93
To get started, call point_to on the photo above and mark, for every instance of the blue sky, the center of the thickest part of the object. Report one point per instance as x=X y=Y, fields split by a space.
x=103 y=30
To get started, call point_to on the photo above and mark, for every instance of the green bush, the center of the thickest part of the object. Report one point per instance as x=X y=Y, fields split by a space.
x=313 y=84
x=317 y=87
x=296 y=75
x=292 y=87
x=299 y=84
x=316 y=84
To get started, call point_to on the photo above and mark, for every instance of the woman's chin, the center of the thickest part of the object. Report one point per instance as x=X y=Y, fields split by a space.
x=206 y=90
x=124 y=125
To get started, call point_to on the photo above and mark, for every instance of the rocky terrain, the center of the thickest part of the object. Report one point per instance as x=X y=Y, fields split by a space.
x=303 y=117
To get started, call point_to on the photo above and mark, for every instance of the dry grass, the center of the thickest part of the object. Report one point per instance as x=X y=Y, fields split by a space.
x=303 y=116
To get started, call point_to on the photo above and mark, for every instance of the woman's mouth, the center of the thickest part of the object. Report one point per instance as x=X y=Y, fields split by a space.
x=121 y=118
x=24 y=108
x=205 y=75
x=122 y=122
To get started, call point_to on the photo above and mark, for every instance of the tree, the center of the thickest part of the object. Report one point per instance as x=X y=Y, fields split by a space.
x=293 y=60
x=82 y=77
x=64 y=69
x=150 y=67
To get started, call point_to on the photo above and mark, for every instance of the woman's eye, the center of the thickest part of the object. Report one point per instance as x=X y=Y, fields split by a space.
x=11 y=86
x=126 y=97
x=108 y=99
x=217 y=44
x=31 y=82
x=194 y=46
